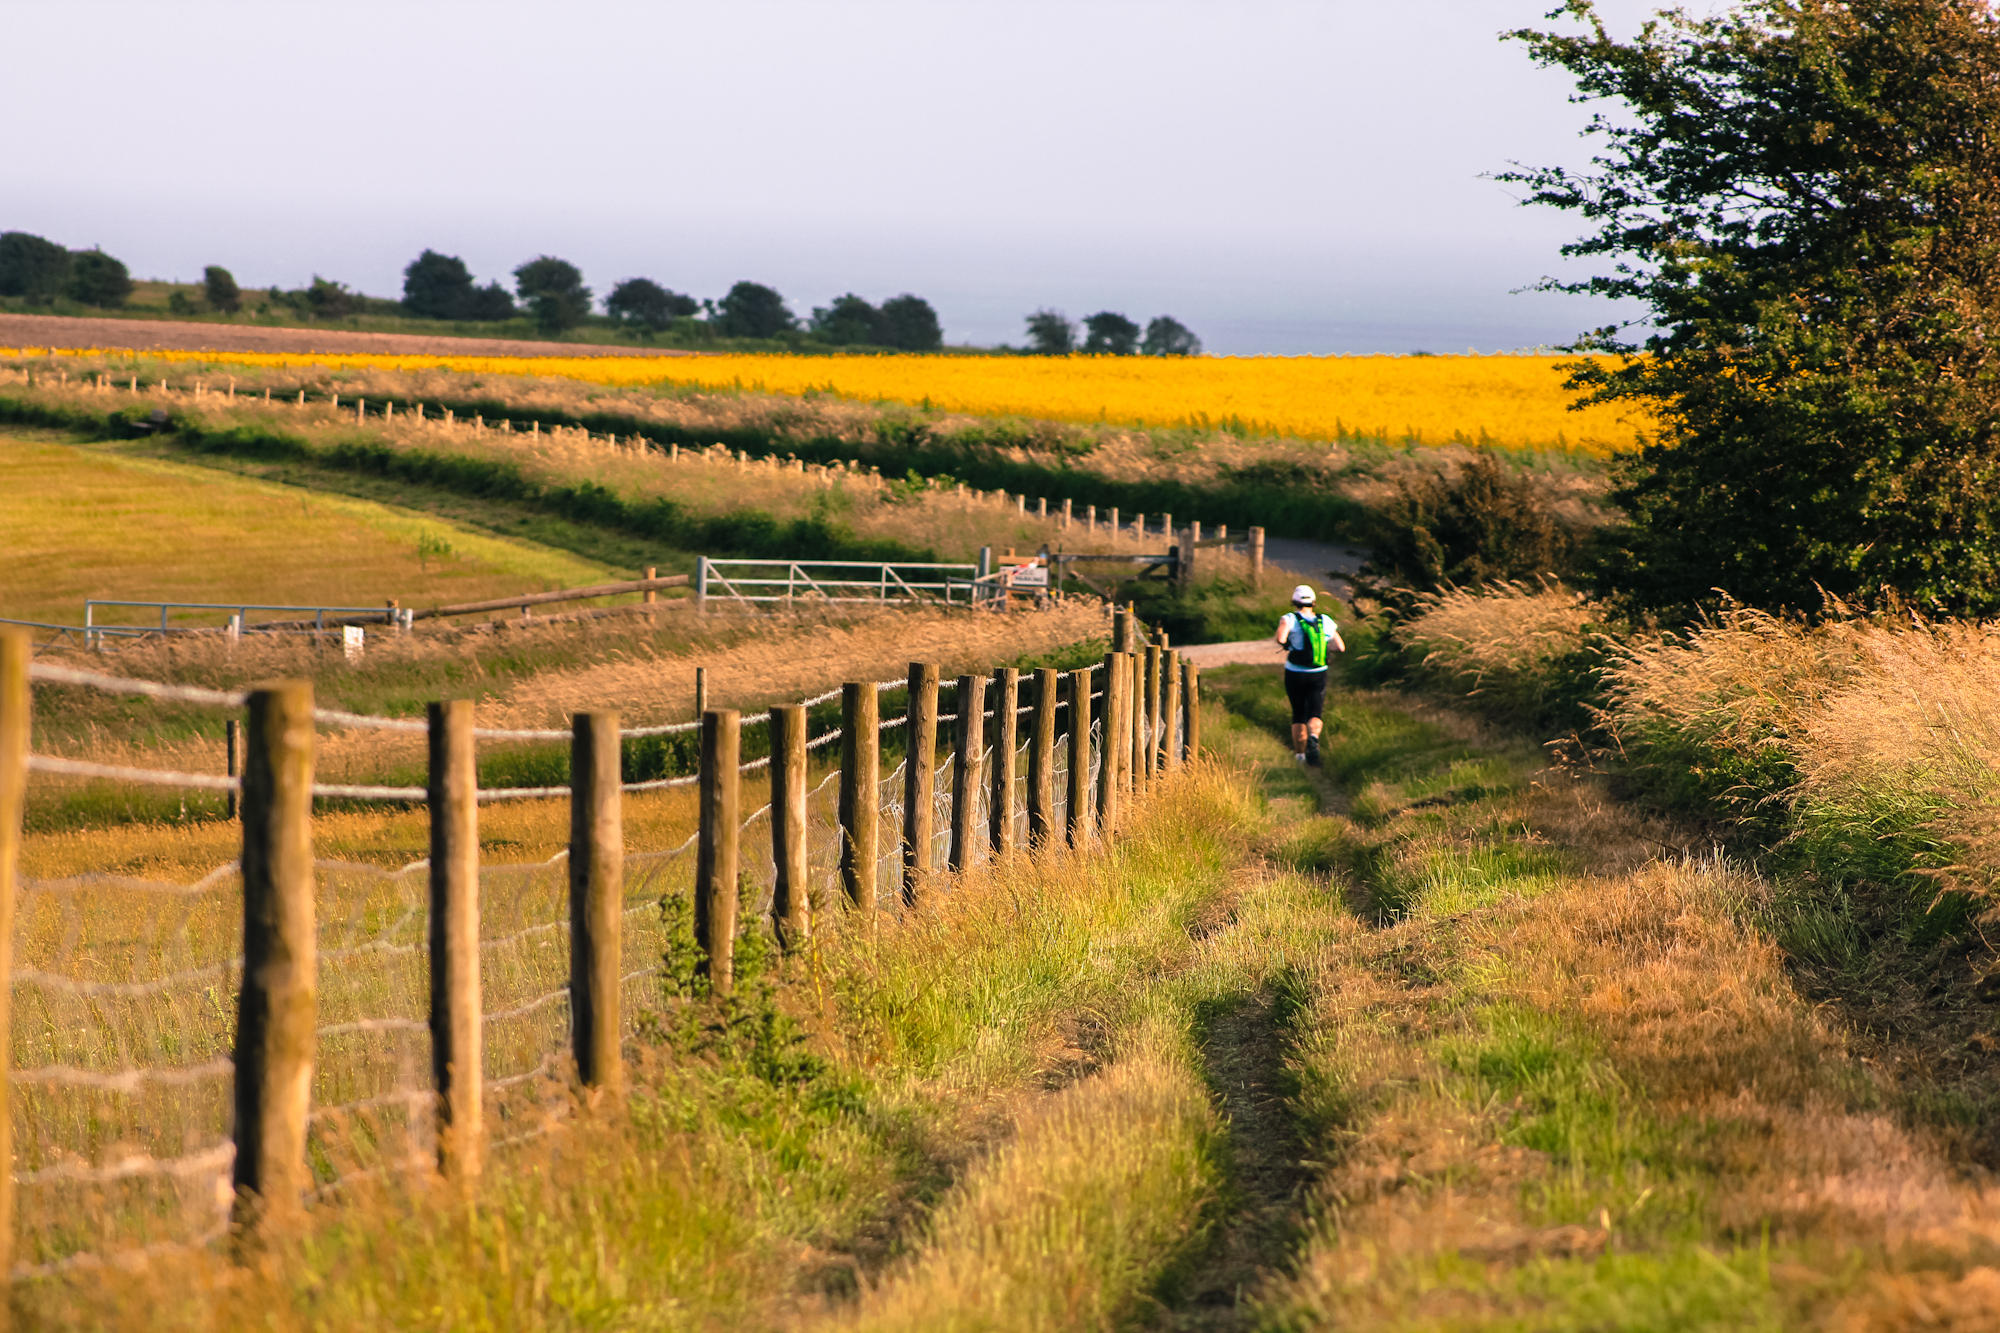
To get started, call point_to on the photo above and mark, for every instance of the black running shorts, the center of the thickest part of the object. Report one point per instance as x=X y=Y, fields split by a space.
x=1307 y=691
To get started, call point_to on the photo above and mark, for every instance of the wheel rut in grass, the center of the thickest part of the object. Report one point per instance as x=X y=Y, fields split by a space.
x=1243 y=1054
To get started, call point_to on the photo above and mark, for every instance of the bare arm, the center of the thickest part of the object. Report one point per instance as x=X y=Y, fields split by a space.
x=1283 y=636
x=1333 y=637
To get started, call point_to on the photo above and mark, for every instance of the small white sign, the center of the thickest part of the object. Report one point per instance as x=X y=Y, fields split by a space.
x=1028 y=576
x=353 y=641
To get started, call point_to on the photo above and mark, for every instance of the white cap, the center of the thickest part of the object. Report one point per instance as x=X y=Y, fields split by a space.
x=1303 y=594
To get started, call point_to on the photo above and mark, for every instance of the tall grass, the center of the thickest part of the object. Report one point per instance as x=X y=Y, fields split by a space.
x=1855 y=749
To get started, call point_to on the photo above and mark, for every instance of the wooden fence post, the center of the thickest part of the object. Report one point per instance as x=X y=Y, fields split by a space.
x=1123 y=629
x=1132 y=721
x=791 y=893
x=457 y=1036
x=1151 y=740
x=17 y=649
x=1116 y=750
x=229 y=740
x=1191 y=712
x=918 y=779
x=596 y=898
x=277 y=1007
x=1256 y=556
x=700 y=692
x=1170 y=714
x=860 y=792
x=651 y=595
x=1000 y=806
x=968 y=770
x=1042 y=760
x=717 y=852
x=1077 y=820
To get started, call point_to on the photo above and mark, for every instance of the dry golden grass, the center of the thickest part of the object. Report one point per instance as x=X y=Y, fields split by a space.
x=1505 y=642
x=1868 y=727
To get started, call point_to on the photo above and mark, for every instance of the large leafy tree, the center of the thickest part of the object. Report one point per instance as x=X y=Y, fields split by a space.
x=912 y=324
x=554 y=291
x=219 y=289
x=437 y=286
x=1167 y=336
x=850 y=320
x=646 y=303
x=32 y=266
x=1051 y=333
x=752 y=310
x=95 y=278
x=1111 y=334
x=1802 y=194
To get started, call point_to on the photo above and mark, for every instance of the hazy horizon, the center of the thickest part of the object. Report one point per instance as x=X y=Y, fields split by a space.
x=1283 y=178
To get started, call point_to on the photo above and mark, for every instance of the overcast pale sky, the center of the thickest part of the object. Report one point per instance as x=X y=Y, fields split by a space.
x=1283 y=177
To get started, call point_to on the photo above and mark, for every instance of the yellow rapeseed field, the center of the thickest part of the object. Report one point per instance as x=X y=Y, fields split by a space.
x=1513 y=401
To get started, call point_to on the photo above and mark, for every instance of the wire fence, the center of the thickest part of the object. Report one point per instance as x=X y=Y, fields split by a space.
x=126 y=990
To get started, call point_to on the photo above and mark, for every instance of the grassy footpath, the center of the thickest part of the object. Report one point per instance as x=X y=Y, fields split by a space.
x=1558 y=1077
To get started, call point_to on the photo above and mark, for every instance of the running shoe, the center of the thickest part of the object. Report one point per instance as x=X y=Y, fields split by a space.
x=1312 y=751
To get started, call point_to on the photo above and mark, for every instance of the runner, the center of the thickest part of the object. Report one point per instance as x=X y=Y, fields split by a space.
x=1304 y=635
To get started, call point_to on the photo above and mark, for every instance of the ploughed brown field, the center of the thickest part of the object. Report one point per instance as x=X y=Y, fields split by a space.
x=144 y=335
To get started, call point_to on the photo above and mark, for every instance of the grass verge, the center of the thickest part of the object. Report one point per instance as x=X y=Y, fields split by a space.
x=1561 y=1081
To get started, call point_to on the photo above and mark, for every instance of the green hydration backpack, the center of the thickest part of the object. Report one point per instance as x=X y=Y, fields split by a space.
x=1315 y=630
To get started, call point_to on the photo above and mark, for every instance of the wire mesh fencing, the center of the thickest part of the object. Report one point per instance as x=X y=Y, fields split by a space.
x=127 y=991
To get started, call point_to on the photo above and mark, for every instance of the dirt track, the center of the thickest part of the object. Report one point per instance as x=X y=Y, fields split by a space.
x=145 y=335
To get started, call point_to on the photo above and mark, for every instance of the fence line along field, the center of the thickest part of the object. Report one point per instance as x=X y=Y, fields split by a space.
x=1515 y=402
x=123 y=1041
x=531 y=675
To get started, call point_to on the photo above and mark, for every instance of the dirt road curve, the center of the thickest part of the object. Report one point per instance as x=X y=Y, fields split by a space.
x=144 y=335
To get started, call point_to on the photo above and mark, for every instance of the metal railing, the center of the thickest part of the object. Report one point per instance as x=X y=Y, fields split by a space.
x=239 y=620
x=838 y=581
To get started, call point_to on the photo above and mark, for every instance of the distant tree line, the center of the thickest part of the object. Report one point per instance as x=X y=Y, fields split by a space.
x=1108 y=333
x=552 y=293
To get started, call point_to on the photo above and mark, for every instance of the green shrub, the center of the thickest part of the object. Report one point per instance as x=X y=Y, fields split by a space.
x=1477 y=525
